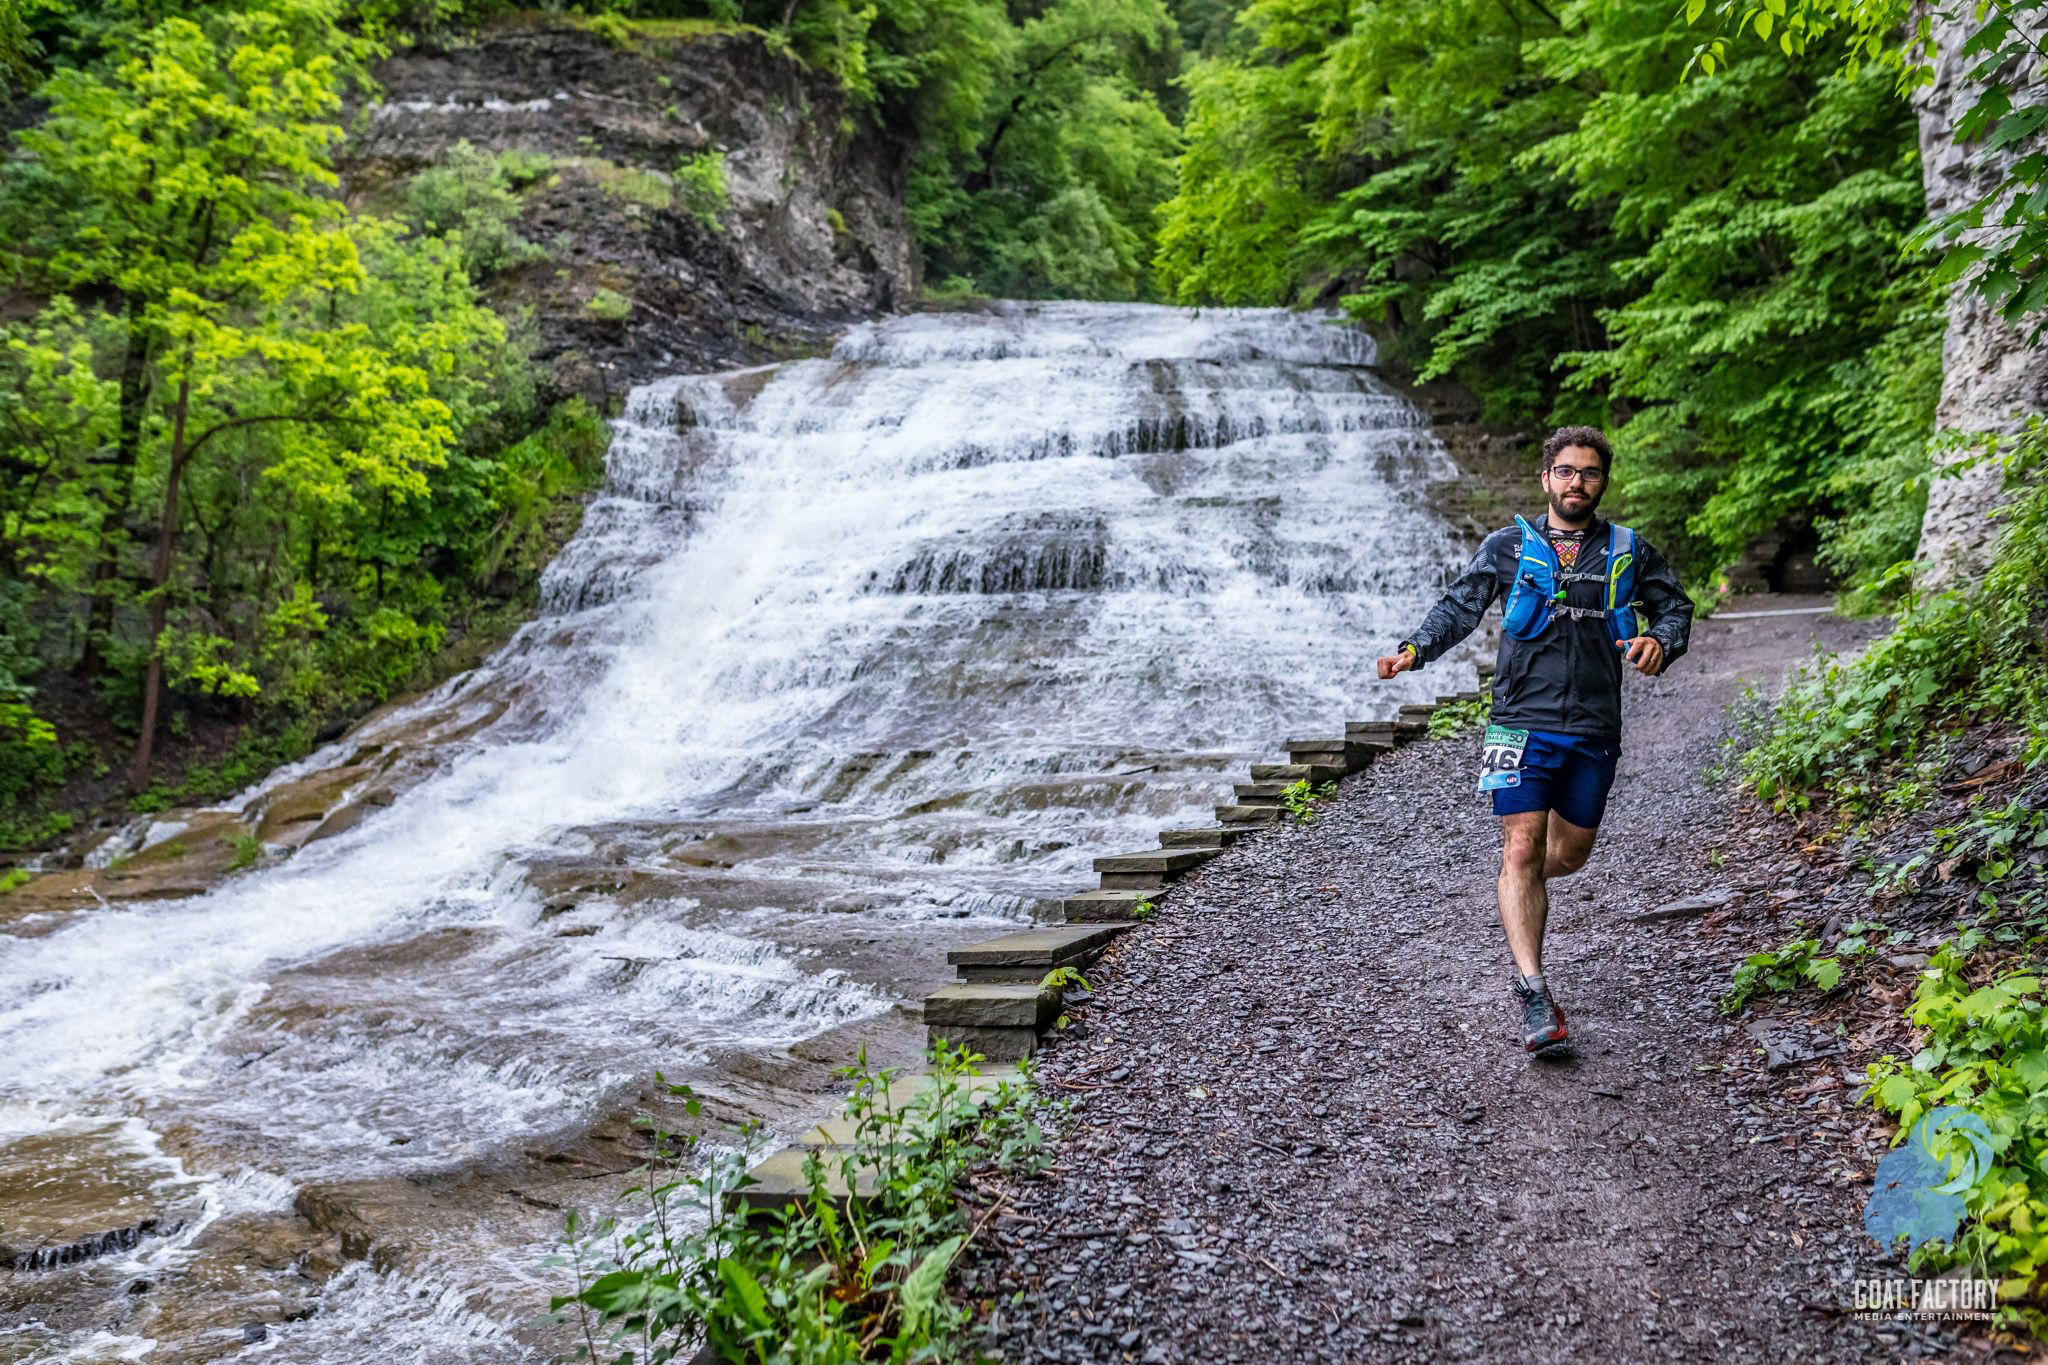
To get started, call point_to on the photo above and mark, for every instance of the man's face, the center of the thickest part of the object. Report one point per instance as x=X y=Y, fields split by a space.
x=1575 y=480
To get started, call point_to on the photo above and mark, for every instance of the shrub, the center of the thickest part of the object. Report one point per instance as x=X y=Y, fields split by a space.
x=806 y=1282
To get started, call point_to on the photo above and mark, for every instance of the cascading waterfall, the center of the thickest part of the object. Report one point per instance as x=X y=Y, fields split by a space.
x=909 y=633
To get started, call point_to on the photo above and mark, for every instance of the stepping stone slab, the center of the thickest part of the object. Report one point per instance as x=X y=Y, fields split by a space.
x=1031 y=953
x=993 y=1044
x=1152 y=868
x=1314 y=773
x=1106 y=907
x=779 y=1181
x=1334 y=753
x=1207 y=836
x=1247 y=814
x=841 y=1130
x=1369 y=731
x=1261 y=791
x=990 y=1004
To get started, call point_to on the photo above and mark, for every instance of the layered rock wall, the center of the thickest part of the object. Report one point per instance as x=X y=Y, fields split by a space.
x=813 y=235
x=1992 y=378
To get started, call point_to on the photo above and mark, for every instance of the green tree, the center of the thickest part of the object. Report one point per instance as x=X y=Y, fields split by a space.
x=1534 y=204
x=189 y=180
x=2001 y=237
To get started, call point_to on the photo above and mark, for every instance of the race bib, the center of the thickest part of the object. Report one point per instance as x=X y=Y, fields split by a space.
x=1500 y=758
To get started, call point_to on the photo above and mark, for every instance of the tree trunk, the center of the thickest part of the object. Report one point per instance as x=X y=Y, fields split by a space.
x=159 y=582
x=99 y=612
x=1990 y=377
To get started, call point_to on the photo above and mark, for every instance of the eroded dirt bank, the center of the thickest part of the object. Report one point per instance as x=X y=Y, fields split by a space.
x=1304 y=1129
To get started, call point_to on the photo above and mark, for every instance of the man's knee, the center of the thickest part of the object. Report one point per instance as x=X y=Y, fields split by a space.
x=1569 y=846
x=1565 y=861
x=1522 y=847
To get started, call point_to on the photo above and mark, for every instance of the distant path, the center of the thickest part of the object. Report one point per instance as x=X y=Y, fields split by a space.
x=1376 y=1171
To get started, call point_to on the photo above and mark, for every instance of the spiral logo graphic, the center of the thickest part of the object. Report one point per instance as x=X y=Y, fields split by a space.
x=1951 y=1122
x=1915 y=1195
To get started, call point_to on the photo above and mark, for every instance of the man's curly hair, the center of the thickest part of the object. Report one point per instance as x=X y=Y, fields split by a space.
x=1589 y=437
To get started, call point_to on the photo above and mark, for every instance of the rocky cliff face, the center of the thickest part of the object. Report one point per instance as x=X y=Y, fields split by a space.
x=634 y=281
x=1991 y=378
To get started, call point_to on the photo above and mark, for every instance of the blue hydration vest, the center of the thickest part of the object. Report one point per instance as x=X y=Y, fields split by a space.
x=1540 y=584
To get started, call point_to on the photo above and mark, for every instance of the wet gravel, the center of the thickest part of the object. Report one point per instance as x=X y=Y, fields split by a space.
x=1303 y=1128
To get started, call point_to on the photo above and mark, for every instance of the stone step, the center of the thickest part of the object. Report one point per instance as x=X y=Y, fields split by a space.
x=991 y=1004
x=1030 y=953
x=1260 y=791
x=1247 y=814
x=1206 y=836
x=999 y=1019
x=1329 y=753
x=1106 y=907
x=778 y=1180
x=1369 y=731
x=1469 y=697
x=1152 y=868
x=1314 y=773
x=843 y=1131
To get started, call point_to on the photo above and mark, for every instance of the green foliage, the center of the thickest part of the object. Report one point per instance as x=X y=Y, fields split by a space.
x=700 y=181
x=1547 y=214
x=258 y=447
x=613 y=28
x=1454 y=719
x=1144 y=910
x=1301 y=799
x=1862 y=740
x=1972 y=655
x=608 y=305
x=813 y=1281
x=1064 y=978
x=471 y=198
x=1986 y=1052
x=248 y=852
x=1797 y=963
x=1045 y=188
x=1998 y=240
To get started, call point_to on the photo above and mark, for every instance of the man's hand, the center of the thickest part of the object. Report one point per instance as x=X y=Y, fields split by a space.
x=1400 y=661
x=1643 y=652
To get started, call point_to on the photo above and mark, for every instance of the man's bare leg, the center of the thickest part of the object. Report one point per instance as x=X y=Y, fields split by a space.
x=1566 y=847
x=1535 y=846
x=1524 y=904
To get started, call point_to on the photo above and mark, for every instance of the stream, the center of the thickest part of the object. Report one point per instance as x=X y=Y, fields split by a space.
x=854 y=659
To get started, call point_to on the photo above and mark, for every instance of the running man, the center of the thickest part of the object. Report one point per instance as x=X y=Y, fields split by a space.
x=1571 y=587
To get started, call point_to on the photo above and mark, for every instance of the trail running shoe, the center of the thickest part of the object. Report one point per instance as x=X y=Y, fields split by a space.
x=1542 y=1020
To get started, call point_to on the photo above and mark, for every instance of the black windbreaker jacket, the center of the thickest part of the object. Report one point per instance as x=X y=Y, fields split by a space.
x=1568 y=679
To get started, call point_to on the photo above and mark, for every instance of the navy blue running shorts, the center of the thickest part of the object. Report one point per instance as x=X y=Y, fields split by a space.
x=1569 y=774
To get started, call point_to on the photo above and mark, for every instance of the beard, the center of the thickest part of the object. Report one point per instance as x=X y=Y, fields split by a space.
x=1579 y=509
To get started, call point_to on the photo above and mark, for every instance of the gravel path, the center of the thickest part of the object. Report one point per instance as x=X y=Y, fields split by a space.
x=1304 y=1129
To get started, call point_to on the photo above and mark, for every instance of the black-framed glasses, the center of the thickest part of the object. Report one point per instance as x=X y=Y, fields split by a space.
x=1565 y=473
